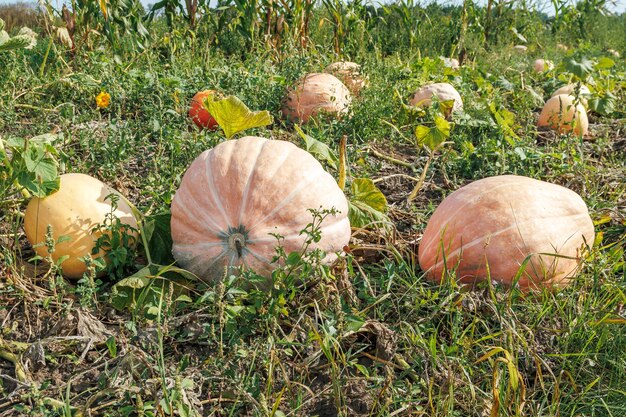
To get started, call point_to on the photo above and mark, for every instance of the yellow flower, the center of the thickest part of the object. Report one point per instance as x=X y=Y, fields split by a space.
x=103 y=100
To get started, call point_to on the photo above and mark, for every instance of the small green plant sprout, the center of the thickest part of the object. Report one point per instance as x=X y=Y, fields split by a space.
x=117 y=240
x=25 y=38
x=431 y=138
x=233 y=116
x=505 y=120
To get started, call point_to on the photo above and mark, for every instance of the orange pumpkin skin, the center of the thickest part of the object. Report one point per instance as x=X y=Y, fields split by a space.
x=233 y=196
x=315 y=93
x=199 y=114
x=563 y=114
x=73 y=211
x=489 y=227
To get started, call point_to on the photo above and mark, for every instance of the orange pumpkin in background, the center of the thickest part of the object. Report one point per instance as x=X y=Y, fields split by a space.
x=315 y=93
x=500 y=226
x=199 y=114
x=563 y=114
x=235 y=196
x=72 y=212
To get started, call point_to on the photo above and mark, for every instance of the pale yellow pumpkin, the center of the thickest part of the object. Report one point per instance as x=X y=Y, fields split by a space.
x=443 y=91
x=235 y=196
x=315 y=93
x=348 y=73
x=73 y=212
x=507 y=226
x=562 y=114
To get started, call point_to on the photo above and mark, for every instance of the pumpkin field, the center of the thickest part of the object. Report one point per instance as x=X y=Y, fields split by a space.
x=313 y=208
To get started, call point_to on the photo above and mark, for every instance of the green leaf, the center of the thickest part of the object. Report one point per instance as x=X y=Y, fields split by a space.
x=16 y=42
x=159 y=237
x=432 y=137
x=44 y=167
x=234 y=116
x=505 y=120
x=603 y=105
x=604 y=63
x=36 y=187
x=580 y=69
x=518 y=35
x=143 y=289
x=318 y=149
x=367 y=203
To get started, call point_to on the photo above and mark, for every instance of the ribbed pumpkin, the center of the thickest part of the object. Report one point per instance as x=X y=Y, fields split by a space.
x=348 y=73
x=315 y=93
x=444 y=91
x=490 y=227
x=560 y=114
x=73 y=211
x=199 y=114
x=234 y=196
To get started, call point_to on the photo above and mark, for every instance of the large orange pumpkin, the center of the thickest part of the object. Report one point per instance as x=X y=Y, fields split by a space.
x=235 y=196
x=500 y=225
x=316 y=93
x=199 y=114
x=73 y=212
x=563 y=114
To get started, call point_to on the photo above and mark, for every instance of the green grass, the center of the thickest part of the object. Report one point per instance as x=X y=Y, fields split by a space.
x=370 y=336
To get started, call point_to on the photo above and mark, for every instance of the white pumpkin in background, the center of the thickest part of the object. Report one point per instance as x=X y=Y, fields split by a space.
x=350 y=74
x=614 y=53
x=443 y=91
x=450 y=62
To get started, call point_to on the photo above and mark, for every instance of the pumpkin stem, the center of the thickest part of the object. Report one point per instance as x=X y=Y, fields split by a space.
x=238 y=246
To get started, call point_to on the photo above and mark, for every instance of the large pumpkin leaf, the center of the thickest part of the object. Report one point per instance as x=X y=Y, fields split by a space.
x=367 y=203
x=33 y=161
x=580 y=69
x=318 y=149
x=156 y=229
x=234 y=116
x=604 y=63
x=603 y=105
x=432 y=137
